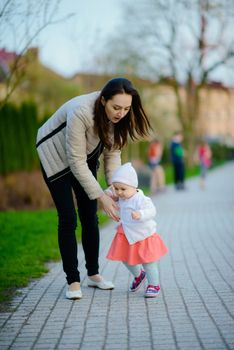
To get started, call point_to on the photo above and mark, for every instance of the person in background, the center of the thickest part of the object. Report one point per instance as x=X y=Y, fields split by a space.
x=69 y=145
x=136 y=243
x=157 y=179
x=177 y=158
x=205 y=160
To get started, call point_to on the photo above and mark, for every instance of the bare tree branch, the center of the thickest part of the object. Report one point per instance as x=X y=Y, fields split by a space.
x=185 y=41
x=35 y=20
x=4 y=8
x=218 y=63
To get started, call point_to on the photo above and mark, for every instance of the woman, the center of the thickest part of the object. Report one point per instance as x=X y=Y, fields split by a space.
x=69 y=145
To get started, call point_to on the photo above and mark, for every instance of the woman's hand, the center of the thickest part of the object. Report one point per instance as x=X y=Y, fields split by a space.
x=109 y=206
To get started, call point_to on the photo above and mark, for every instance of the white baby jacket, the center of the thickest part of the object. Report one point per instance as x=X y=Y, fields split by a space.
x=137 y=230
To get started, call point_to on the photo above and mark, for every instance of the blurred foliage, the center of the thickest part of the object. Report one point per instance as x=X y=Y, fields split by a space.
x=46 y=88
x=24 y=190
x=17 y=137
x=222 y=152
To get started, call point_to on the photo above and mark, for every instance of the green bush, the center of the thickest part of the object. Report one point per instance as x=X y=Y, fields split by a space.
x=221 y=152
x=18 y=137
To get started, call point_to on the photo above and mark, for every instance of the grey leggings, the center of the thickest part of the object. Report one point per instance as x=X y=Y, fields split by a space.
x=151 y=270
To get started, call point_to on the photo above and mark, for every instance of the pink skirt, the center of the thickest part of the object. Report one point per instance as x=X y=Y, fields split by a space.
x=142 y=252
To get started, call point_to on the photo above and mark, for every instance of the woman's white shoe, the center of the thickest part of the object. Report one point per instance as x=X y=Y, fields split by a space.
x=74 y=295
x=102 y=284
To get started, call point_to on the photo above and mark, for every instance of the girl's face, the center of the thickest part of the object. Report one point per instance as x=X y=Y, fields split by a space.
x=124 y=191
x=117 y=107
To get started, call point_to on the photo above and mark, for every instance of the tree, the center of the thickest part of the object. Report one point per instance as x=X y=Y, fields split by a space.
x=183 y=42
x=20 y=24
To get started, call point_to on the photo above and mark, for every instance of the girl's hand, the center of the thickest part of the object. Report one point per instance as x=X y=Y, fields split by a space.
x=111 y=193
x=136 y=215
x=109 y=206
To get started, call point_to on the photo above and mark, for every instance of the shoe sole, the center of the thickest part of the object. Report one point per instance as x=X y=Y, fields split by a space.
x=151 y=295
x=132 y=291
x=74 y=298
x=110 y=288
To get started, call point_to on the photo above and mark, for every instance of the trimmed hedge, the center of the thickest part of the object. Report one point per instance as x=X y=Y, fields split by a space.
x=18 y=137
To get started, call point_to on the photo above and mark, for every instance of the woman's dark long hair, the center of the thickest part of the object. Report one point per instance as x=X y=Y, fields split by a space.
x=135 y=124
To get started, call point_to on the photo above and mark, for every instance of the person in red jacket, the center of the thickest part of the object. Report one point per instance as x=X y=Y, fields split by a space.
x=157 y=180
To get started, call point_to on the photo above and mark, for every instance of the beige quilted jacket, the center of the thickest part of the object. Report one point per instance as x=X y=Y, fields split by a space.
x=65 y=140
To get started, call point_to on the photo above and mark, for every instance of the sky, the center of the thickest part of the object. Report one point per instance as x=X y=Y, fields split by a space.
x=71 y=45
x=68 y=47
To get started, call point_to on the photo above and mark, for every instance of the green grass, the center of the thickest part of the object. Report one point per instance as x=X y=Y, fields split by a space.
x=189 y=172
x=28 y=239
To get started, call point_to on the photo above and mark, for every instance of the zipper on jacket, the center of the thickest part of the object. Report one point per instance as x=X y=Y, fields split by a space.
x=97 y=151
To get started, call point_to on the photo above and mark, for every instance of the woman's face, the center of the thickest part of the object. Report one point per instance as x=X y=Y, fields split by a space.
x=117 y=107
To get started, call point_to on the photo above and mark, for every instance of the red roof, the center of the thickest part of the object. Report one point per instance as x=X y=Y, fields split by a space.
x=7 y=56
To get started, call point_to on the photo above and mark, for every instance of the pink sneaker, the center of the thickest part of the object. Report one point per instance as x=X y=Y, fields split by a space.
x=137 y=282
x=152 y=291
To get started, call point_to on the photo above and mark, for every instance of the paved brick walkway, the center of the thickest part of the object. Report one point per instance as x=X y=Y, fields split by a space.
x=194 y=311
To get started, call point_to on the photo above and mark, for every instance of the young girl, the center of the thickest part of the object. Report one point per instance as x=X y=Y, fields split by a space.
x=136 y=242
x=205 y=156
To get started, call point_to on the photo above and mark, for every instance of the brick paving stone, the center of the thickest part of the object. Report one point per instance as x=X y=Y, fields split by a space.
x=194 y=311
x=116 y=346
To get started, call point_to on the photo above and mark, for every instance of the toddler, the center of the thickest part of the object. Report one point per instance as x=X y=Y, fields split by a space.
x=136 y=242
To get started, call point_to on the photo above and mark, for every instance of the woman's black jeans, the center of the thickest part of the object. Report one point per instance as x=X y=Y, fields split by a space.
x=61 y=192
